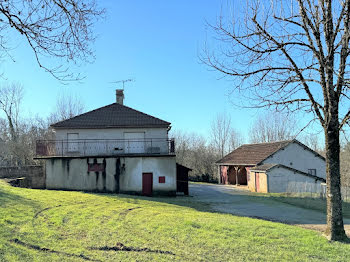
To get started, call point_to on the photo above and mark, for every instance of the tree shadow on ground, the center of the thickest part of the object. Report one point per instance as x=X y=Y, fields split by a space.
x=271 y=207
x=8 y=198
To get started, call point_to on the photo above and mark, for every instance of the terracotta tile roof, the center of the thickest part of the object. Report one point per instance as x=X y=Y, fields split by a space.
x=252 y=154
x=264 y=167
x=114 y=115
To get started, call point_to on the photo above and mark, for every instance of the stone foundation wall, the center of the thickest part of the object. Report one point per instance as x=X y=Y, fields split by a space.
x=34 y=175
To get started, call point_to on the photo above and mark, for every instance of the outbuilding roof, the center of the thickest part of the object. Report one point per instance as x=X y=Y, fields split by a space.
x=183 y=167
x=113 y=115
x=252 y=154
x=265 y=167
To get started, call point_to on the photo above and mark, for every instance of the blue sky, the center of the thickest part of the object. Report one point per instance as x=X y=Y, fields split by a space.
x=155 y=42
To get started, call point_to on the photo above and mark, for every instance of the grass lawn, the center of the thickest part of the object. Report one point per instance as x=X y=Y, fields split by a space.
x=44 y=225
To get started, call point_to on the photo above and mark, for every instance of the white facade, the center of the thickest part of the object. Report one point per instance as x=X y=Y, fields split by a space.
x=111 y=141
x=73 y=174
x=111 y=133
x=300 y=158
x=121 y=155
x=284 y=180
x=158 y=166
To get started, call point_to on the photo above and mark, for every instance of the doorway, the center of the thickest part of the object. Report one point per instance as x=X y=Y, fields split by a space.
x=257 y=183
x=147 y=184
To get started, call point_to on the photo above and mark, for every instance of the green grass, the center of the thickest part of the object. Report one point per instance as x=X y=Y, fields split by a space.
x=72 y=225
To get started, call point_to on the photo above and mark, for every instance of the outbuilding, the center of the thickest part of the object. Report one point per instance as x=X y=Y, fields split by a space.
x=283 y=166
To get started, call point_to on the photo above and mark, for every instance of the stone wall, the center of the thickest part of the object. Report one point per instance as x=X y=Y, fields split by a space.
x=34 y=175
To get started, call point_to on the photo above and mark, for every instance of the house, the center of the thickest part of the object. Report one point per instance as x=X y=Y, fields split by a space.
x=111 y=149
x=284 y=166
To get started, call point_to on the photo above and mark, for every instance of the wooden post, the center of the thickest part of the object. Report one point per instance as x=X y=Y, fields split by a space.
x=219 y=174
x=236 y=169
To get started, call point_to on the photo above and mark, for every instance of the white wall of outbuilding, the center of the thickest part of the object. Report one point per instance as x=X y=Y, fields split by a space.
x=300 y=158
x=285 y=180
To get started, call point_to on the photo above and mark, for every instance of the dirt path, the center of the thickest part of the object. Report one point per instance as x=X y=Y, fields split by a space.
x=228 y=199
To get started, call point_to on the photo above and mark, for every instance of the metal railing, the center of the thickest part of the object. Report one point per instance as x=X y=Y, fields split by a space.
x=101 y=147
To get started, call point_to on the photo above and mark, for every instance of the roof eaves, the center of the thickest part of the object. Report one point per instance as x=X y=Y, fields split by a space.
x=264 y=170
x=234 y=164
x=102 y=126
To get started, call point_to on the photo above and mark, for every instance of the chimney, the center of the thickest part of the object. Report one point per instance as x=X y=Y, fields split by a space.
x=120 y=96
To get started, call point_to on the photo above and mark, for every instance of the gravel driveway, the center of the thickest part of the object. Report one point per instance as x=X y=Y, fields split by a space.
x=232 y=200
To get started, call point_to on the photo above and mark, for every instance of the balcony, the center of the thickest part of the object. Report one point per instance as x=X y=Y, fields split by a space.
x=104 y=147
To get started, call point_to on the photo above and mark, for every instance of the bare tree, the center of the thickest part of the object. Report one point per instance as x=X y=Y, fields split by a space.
x=236 y=139
x=67 y=106
x=183 y=145
x=193 y=151
x=272 y=127
x=60 y=29
x=222 y=134
x=312 y=140
x=11 y=96
x=293 y=56
x=13 y=128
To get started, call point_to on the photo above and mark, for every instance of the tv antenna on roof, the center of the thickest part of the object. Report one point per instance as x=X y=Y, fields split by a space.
x=123 y=81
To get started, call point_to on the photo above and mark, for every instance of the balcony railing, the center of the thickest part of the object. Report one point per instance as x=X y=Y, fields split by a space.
x=103 y=147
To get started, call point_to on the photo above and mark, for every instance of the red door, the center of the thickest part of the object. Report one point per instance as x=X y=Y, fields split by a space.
x=257 y=186
x=147 y=184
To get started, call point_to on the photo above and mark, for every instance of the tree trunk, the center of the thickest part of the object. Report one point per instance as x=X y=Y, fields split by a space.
x=335 y=226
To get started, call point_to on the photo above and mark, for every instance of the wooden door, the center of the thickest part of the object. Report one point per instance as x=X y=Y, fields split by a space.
x=147 y=184
x=257 y=186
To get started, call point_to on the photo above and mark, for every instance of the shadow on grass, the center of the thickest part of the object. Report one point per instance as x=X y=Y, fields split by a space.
x=270 y=207
x=8 y=198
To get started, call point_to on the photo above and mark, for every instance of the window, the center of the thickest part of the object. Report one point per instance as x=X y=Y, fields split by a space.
x=162 y=179
x=134 y=142
x=73 y=145
x=312 y=172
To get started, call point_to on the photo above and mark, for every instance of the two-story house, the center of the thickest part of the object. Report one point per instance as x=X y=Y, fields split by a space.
x=284 y=166
x=111 y=149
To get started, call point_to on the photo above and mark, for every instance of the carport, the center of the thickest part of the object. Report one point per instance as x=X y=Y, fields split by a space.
x=234 y=168
x=233 y=174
